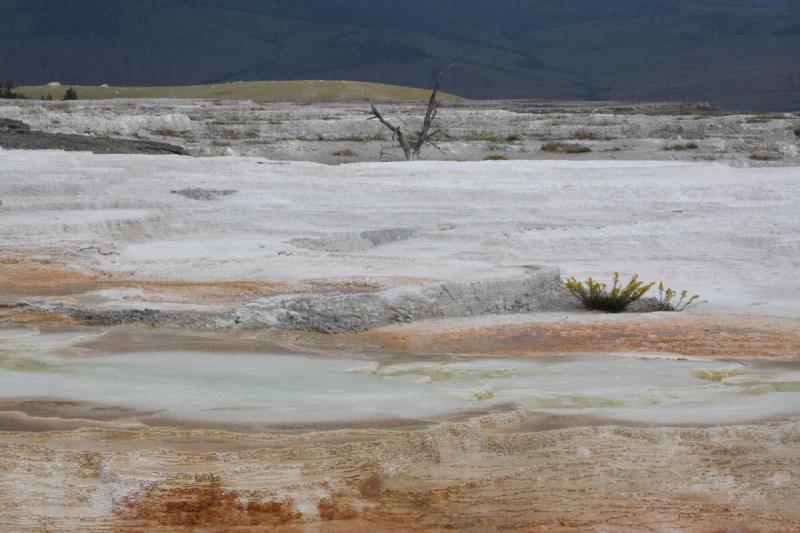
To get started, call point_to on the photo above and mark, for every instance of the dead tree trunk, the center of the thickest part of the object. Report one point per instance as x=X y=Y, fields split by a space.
x=412 y=152
x=396 y=132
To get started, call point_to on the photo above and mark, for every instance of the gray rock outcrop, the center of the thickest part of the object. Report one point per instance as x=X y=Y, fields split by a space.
x=16 y=135
x=335 y=313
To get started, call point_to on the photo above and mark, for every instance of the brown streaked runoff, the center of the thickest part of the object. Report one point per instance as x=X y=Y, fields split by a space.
x=723 y=336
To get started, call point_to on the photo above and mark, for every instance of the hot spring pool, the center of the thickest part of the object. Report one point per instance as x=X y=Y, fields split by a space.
x=281 y=389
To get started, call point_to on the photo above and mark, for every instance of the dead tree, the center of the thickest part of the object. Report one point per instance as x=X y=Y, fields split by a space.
x=425 y=134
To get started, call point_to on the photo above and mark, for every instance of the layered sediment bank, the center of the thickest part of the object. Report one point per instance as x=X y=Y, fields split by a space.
x=98 y=433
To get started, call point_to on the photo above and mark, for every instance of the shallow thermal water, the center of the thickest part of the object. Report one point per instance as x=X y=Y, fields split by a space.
x=279 y=389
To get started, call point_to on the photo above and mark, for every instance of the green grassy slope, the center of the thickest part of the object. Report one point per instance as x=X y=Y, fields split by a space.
x=259 y=91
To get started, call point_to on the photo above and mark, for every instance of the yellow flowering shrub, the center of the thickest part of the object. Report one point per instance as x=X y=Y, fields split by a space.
x=595 y=295
x=667 y=295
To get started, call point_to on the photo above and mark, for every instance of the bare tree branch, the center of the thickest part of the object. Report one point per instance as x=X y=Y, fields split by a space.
x=396 y=131
x=430 y=115
x=437 y=147
x=425 y=134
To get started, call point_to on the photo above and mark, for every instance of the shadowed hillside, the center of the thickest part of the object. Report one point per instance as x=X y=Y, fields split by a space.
x=736 y=53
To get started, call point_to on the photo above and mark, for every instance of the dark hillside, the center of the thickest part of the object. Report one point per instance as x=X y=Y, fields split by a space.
x=736 y=53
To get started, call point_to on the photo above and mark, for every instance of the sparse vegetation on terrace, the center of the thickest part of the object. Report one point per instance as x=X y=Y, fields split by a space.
x=680 y=147
x=485 y=138
x=565 y=148
x=345 y=153
x=666 y=298
x=584 y=135
x=596 y=296
x=765 y=156
x=764 y=117
x=797 y=131
x=495 y=157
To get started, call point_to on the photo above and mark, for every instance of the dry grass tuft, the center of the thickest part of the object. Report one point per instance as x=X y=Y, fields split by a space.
x=585 y=135
x=565 y=148
x=681 y=147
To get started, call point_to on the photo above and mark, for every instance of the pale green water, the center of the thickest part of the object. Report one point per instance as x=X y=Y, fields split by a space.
x=266 y=389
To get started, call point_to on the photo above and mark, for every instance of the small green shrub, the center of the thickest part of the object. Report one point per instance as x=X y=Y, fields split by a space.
x=681 y=147
x=565 y=148
x=576 y=149
x=345 y=153
x=596 y=296
x=71 y=94
x=513 y=138
x=550 y=147
x=797 y=131
x=667 y=295
x=495 y=157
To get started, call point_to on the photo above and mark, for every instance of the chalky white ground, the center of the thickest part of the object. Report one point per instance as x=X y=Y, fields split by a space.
x=730 y=234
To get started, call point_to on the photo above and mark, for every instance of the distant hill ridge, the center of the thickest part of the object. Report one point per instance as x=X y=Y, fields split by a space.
x=732 y=53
